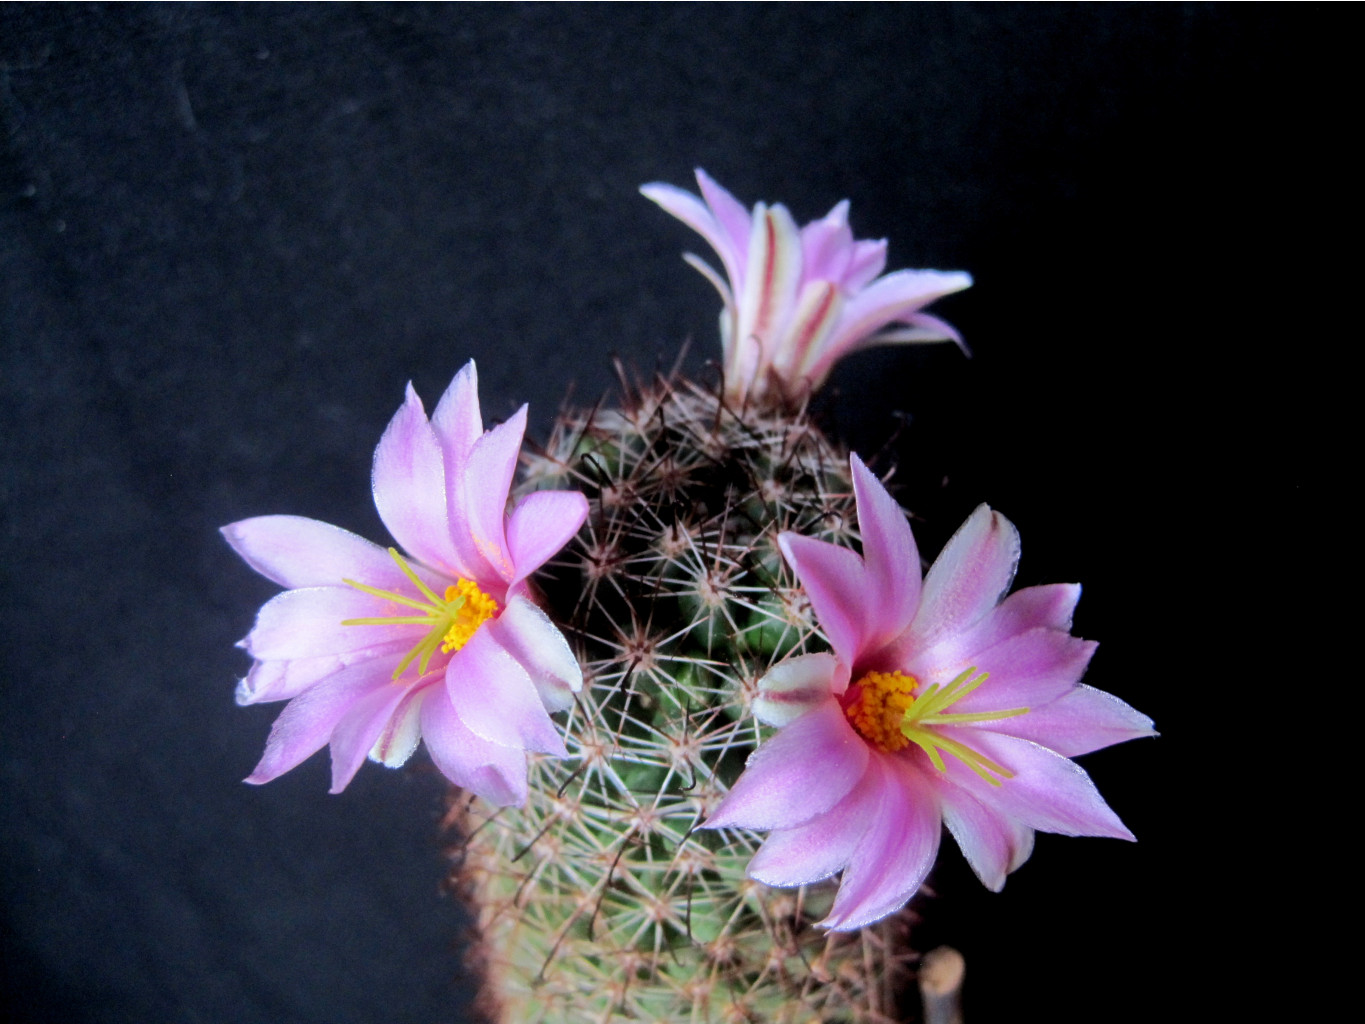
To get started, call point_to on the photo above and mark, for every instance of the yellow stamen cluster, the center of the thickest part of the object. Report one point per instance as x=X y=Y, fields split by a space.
x=928 y=712
x=453 y=620
x=879 y=707
x=473 y=609
x=886 y=712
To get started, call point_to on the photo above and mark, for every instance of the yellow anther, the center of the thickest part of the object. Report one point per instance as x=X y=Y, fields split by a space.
x=452 y=621
x=887 y=711
x=879 y=705
x=471 y=607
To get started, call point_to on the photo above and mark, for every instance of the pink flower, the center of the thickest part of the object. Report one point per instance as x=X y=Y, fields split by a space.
x=941 y=702
x=798 y=300
x=375 y=650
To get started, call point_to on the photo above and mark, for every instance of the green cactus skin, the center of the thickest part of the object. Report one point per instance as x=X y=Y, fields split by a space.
x=598 y=901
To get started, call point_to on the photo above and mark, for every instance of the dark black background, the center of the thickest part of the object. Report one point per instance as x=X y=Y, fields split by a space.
x=229 y=236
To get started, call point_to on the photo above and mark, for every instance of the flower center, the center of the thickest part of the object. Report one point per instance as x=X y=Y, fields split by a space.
x=886 y=712
x=880 y=702
x=453 y=620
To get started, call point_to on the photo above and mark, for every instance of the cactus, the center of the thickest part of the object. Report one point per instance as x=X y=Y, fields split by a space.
x=597 y=901
x=597 y=897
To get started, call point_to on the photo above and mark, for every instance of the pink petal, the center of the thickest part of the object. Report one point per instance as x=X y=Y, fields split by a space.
x=1025 y=671
x=458 y=425
x=827 y=246
x=886 y=300
x=968 y=579
x=268 y=681
x=307 y=722
x=496 y=700
x=1051 y=605
x=727 y=297
x=823 y=845
x=994 y=844
x=539 y=527
x=804 y=770
x=307 y=624
x=359 y=729
x=1048 y=792
x=732 y=216
x=920 y=329
x=297 y=552
x=687 y=208
x=283 y=680
x=410 y=487
x=1044 y=607
x=893 y=858
x=816 y=311
x=494 y=772
x=890 y=556
x=897 y=296
x=794 y=687
x=488 y=477
x=457 y=420
x=868 y=260
x=835 y=580
x=527 y=634
x=773 y=275
x=402 y=733
x=1083 y=720
x=717 y=228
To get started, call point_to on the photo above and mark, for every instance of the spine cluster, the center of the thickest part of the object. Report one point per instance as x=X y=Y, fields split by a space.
x=598 y=901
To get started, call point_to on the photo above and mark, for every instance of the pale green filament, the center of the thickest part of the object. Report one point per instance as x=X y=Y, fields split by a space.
x=927 y=712
x=453 y=619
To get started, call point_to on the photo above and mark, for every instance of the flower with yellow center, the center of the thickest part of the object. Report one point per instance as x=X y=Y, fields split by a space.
x=488 y=666
x=867 y=767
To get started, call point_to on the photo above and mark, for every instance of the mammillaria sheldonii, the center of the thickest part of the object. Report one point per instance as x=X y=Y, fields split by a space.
x=732 y=666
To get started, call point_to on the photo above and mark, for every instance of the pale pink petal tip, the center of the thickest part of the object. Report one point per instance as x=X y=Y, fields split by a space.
x=369 y=685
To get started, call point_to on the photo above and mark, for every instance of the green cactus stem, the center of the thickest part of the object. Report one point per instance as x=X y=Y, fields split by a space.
x=598 y=901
